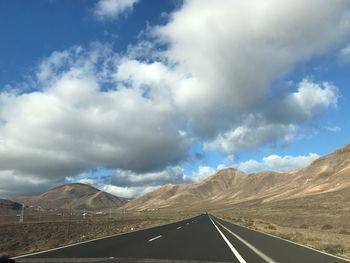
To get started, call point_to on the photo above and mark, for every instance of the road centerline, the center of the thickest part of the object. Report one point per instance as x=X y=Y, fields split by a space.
x=233 y=249
x=152 y=239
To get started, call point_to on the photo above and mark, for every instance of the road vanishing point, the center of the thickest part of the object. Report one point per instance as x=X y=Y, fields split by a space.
x=203 y=238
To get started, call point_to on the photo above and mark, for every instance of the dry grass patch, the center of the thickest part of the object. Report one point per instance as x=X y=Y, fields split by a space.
x=325 y=237
x=17 y=239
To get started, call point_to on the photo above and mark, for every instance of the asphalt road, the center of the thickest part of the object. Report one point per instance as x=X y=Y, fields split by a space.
x=203 y=238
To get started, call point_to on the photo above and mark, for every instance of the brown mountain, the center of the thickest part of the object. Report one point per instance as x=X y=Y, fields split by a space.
x=8 y=207
x=77 y=196
x=231 y=186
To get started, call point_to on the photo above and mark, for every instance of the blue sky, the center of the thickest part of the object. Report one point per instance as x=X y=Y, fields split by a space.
x=130 y=94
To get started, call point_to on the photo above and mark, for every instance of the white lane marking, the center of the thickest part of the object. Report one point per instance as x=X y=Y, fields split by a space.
x=95 y=239
x=294 y=243
x=154 y=238
x=235 y=252
x=255 y=250
x=179 y=227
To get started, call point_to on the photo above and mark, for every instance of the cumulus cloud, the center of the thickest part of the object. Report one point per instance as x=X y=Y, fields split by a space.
x=310 y=99
x=129 y=184
x=333 y=128
x=127 y=192
x=251 y=136
x=71 y=125
x=278 y=163
x=16 y=184
x=207 y=76
x=202 y=173
x=112 y=9
x=124 y=178
x=240 y=48
x=344 y=54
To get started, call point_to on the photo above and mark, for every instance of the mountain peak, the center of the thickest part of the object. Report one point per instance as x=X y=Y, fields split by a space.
x=8 y=207
x=226 y=174
x=75 y=195
x=231 y=185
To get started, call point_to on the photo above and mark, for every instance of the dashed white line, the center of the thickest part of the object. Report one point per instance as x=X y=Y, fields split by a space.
x=179 y=227
x=256 y=251
x=235 y=252
x=154 y=238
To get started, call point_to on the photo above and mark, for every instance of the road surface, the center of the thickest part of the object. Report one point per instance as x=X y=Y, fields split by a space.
x=201 y=238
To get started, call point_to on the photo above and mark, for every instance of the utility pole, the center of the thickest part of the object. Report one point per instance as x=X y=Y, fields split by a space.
x=21 y=218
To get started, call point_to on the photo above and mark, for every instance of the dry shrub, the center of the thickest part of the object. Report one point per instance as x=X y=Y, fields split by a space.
x=52 y=243
x=297 y=237
x=327 y=227
x=344 y=232
x=334 y=248
x=304 y=226
x=249 y=223
x=285 y=235
x=271 y=227
x=235 y=219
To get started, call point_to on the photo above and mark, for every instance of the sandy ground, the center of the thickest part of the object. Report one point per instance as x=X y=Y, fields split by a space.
x=321 y=222
x=22 y=238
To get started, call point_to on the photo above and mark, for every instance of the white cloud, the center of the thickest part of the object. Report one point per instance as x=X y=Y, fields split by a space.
x=70 y=125
x=16 y=184
x=112 y=9
x=128 y=178
x=233 y=50
x=309 y=101
x=251 y=136
x=278 y=163
x=228 y=162
x=202 y=173
x=312 y=98
x=344 y=54
x=139 y=112
x=128 y=192
x=333 y=128
x=89 y=181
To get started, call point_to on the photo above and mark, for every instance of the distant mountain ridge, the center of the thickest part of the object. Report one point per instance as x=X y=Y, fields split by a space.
x=8 y=207
x=77 y=196
x=230 y=186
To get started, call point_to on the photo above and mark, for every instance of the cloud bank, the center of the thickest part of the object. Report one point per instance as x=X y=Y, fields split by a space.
x=278 y=163
x=213 y=82
x=113 y=9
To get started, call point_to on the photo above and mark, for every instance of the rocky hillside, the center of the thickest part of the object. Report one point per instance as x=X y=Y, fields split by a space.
x=230 y=186
x=8 y=207
x=77 y=196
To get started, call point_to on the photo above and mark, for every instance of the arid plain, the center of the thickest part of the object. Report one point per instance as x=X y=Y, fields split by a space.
x=310 y=206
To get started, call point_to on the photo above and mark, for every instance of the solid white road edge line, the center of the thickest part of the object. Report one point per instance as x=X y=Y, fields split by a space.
x=154 y=238
x=292 y=242
x=254 y=249
x=235 y=252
